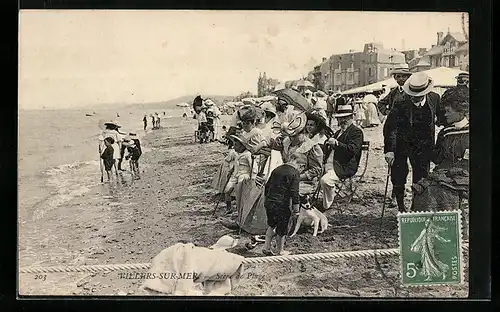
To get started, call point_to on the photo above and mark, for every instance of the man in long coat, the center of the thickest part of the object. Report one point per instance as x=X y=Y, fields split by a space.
x=410 y=133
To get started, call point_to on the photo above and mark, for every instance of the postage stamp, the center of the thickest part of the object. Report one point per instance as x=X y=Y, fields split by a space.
x=430 y=246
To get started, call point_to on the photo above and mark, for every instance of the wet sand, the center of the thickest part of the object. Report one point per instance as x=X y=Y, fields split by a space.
x=173 y=202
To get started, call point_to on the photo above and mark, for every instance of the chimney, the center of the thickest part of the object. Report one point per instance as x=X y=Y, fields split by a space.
x=324 y=59
x=439 y=37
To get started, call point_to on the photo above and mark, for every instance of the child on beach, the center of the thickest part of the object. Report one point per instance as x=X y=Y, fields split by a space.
x=134 y=152
x=202 y=124
x=107 y=156
x=281 y=189
x=242 y=168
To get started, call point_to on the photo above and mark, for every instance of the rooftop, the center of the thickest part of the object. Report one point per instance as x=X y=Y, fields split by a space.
x=435 y=50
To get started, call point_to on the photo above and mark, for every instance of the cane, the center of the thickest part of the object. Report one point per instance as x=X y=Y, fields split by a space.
x=385 y=196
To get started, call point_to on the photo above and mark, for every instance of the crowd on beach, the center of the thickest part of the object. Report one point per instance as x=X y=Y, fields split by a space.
x=115 y=147
x=293 y=151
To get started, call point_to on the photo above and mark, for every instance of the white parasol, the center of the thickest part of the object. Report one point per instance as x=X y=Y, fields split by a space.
x=304 y=84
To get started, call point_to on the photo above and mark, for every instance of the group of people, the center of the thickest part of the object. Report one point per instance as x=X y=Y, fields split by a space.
x=208 y=116
x=115 y=146
x=155 y=121
x=289 y=147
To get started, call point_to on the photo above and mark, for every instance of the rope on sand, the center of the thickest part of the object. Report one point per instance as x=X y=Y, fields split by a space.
x=273 y=259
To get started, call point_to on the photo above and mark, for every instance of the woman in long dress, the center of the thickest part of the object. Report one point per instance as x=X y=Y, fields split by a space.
x=111 y=130
x=371 y=113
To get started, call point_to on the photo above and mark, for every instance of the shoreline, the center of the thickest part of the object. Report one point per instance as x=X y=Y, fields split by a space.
x=173 y=202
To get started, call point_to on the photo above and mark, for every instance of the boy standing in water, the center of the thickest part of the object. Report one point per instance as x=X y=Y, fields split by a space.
x=107 y=156
x=282 y=189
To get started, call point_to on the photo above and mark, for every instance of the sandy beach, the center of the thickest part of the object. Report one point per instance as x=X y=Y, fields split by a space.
x=132 y=222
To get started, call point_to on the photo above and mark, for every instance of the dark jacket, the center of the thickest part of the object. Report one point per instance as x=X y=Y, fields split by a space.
x=398 y=126
x=385 y=105
x=347 y=153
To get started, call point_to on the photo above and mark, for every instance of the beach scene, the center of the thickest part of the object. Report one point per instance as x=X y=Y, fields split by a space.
x=182 y=123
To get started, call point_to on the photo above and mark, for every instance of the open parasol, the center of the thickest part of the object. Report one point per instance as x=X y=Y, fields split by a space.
x=304 y=84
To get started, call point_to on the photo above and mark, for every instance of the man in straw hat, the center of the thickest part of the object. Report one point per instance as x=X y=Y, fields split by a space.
x=410 y=132
x=397 y=94
x=346 y=148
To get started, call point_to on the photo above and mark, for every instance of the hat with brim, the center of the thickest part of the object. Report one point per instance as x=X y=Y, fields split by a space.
x=401 y=71
x=370 y=98
x=225 y=242
x=296 y=126
x=241 y=140
x=320 y=122
x=418 y=84
x=269 y=108
x=112 y=122
x=343 y=111
x=462 y=75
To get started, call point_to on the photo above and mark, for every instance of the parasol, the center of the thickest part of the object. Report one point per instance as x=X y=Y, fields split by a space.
x=304 y=84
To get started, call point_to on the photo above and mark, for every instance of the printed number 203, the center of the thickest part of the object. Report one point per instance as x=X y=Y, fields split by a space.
x=42 y=277
x=411 y=271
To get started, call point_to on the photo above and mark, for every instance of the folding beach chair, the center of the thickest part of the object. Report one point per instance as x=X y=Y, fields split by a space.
x=347 y=187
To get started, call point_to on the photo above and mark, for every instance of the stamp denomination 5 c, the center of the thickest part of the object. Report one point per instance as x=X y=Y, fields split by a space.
x=430 y=246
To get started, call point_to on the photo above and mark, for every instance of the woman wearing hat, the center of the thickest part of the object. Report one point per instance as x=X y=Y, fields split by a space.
x=370 y=109
x=449 y=182
x=359 y=111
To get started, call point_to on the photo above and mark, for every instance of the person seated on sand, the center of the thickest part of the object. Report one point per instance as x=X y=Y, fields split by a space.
x=107 y=156
x=281 y=192
x=242 y=169
x=448 y=184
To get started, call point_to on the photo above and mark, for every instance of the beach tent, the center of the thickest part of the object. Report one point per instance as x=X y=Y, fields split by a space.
x=444 y=77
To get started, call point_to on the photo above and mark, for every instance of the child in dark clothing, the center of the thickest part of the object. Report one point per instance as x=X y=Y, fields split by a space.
x=107 y=155
x=134 y=152
x=281 y=189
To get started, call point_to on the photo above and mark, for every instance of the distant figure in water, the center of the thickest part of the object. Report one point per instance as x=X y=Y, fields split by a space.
x=153 y=121
x=117 y=115
x=163 y=113
x=145 y=121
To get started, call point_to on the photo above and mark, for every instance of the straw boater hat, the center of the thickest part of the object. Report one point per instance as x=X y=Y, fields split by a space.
x=343 y=111
x=209 y=102
x=462 y=75
x=240 y=139
x=418 y=84
x=225 y=242
x=401 y=71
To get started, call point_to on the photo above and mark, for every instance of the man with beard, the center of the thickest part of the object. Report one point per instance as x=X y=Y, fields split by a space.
x=409 y=133
x=395 y=95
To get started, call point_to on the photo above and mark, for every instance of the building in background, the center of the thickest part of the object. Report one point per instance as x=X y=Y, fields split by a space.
x=346 y=70
x=379 y=62
x=450 y=51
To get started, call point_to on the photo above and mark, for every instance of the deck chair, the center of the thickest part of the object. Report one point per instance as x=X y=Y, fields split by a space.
x=347 y=187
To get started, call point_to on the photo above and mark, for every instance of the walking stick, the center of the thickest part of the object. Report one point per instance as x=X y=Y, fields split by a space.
x=385 y=196
x=100 y=164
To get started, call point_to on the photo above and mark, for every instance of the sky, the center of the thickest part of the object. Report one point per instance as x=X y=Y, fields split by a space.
x=70 y=59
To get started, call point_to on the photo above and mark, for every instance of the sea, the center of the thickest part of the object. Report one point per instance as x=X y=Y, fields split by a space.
x=58 y=156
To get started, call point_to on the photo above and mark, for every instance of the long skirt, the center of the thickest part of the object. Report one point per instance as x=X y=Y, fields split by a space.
x=221 y=177
x=371 y=115
x=436 y=197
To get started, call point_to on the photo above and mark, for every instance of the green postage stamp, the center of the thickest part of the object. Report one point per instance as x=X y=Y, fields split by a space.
x=430 y=246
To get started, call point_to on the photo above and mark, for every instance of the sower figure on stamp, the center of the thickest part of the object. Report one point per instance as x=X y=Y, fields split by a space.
x=410 y=132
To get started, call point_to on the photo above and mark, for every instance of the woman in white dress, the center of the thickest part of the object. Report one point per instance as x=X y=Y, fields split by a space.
x=371 y=113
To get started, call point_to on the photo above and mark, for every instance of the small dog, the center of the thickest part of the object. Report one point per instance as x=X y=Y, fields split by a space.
x=310 y=216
